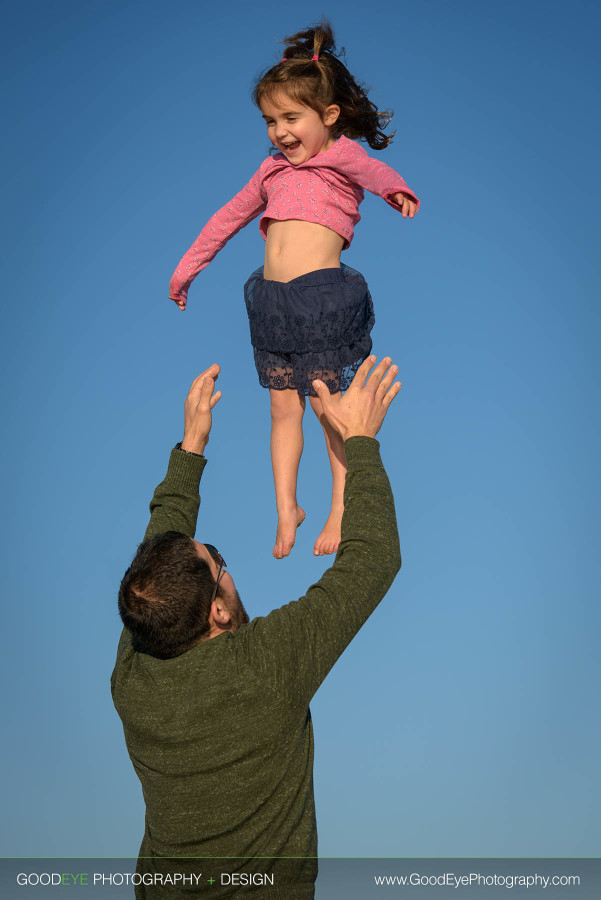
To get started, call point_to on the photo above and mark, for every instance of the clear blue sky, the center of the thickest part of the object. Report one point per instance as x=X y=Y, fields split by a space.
x=463 y=720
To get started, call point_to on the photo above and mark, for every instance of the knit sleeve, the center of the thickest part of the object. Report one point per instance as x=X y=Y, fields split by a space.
x=224 y=224
x=372 y=174
x=174 y=507
x=175 y=503
x=294 y=647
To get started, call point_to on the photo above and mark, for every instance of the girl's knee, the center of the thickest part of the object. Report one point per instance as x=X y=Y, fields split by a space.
x=287 y=404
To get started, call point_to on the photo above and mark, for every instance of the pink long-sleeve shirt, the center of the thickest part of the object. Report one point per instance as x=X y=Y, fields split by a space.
x=326 y=189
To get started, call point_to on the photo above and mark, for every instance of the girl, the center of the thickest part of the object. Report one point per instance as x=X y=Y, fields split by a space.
x=310 y=316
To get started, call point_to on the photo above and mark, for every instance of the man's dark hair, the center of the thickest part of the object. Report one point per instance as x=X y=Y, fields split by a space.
x=164 y=598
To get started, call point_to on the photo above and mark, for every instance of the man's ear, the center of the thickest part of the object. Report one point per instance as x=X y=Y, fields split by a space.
x=220 y=615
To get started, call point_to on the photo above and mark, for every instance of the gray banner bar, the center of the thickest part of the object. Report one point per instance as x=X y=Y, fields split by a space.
x=338 y=879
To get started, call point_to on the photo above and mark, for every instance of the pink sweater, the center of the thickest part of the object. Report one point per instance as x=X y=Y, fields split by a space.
x=326 y=189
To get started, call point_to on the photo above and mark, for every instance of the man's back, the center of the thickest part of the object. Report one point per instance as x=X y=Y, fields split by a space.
x=225 y=762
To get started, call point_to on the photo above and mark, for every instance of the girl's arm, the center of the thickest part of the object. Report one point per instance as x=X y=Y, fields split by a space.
x=223 y=225
x=375 y=176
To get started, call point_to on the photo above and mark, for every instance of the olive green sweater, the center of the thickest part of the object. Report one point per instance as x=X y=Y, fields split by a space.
x=221 y=736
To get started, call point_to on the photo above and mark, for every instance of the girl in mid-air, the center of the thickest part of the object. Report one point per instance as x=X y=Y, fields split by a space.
x=310 y=316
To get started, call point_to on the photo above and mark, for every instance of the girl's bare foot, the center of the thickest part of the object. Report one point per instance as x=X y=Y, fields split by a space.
x=286 y=533
x=329 y=539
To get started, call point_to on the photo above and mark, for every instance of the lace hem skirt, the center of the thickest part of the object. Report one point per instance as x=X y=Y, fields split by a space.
x=316 y=326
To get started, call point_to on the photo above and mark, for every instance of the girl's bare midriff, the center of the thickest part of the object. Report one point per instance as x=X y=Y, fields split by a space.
x=294 y=247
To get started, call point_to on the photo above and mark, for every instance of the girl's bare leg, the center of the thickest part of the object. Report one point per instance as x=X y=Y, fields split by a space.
x=287 y=408
x=329 y=539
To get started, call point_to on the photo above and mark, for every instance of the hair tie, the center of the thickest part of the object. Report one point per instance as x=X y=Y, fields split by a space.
x=315 y=57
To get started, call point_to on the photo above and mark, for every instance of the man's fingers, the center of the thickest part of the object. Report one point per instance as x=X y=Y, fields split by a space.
x=321 y=390
x=207 y=387
x=363 y=371
x=378 y=373
x=387 y=380
x=213 y=371
x=197 y=384
x=389 y=397
x=215 y=399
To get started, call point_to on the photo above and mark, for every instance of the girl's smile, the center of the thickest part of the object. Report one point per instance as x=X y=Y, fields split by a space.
x=298 y=131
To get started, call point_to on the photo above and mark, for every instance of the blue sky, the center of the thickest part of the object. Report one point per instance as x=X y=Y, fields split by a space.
x=463 y=719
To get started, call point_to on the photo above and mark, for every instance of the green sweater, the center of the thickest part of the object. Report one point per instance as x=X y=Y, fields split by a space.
x=221 y=736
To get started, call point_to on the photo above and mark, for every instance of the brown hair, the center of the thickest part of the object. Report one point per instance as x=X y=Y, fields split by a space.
x=165 y=596
x=323 y=82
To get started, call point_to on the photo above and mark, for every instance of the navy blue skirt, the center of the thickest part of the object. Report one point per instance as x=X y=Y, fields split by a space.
x=316 y=326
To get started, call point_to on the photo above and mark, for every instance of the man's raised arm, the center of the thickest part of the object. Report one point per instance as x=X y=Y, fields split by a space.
x=295 y=646
x=174 y=506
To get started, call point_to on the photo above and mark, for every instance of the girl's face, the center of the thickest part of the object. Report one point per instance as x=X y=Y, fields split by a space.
x=298 y=131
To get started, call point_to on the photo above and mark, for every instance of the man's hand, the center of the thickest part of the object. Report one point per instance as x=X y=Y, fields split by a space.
x=197 y=410
x=408 y=206
x=181 y=303
x=362 y=409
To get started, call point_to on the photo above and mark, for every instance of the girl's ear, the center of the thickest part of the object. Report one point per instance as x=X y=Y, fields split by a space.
x=330 y=115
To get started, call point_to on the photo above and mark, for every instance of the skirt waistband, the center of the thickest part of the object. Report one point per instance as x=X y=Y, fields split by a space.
x=319 y=276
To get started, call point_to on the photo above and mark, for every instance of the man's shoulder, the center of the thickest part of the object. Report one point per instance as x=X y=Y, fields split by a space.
x=124 y=652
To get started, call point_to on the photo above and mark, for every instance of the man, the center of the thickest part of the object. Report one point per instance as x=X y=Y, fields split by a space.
x=215 y=708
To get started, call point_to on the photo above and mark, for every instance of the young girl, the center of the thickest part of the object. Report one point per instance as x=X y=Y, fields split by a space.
x=310 y=316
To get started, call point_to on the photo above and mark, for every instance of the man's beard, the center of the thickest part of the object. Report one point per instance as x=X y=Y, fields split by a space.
x=238 y=615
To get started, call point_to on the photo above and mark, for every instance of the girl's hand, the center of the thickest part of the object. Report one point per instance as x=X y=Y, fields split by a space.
x=180 y=303
x=408 y=206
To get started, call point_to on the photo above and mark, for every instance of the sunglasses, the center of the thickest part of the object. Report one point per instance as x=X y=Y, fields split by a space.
x=216 y=555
